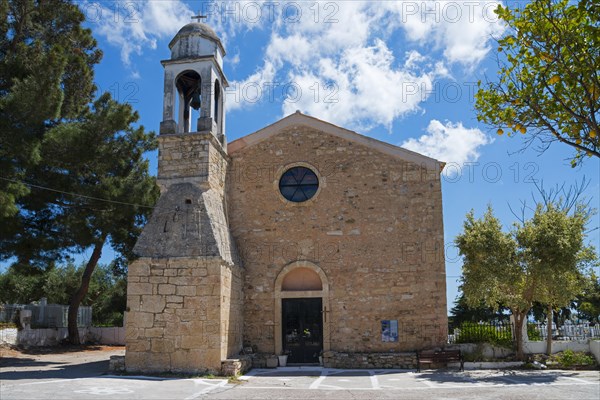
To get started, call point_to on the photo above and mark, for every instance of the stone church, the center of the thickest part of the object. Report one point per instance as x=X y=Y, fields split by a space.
x=303 y=238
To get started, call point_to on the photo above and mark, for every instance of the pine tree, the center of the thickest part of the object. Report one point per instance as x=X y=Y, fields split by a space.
x=73 y=173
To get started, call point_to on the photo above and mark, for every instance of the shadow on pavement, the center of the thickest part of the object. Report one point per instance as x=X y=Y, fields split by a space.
x=6 y=362
x=61 y=349
x=283 y=372
x=61 y=371
x=505 y=378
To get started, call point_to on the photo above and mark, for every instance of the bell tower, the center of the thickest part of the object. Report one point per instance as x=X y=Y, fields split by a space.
x=184 y=292
x=193 y=98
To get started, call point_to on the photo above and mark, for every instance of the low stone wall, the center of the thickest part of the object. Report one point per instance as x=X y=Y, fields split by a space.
x=107 y=335
x=47 y=337
x=236 y=366
x=557 y=346
x=53 y=336
x=595 y=349
x=332 y=359
x=9 y=336
x=116 y=364
x=484 y=349
x=259 y=360
x=489 y=365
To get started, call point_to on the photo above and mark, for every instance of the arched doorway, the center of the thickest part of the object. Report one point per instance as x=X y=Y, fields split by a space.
x=301 y=308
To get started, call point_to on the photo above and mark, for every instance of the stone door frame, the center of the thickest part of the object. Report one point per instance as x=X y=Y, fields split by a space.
x=323 y=294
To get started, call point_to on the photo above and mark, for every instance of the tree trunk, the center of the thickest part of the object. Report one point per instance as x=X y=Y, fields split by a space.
x=519 y=318
x=549 y=331
x=82 y=291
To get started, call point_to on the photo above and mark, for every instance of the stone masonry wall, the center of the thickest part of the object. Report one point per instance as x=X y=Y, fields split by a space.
x=405 y=360
x=193 y=157
x=231 y=312
x=375 y=228
x=174 y=320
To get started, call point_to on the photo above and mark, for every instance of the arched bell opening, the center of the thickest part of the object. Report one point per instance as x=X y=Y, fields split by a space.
x=216 y=101
x=189 y=99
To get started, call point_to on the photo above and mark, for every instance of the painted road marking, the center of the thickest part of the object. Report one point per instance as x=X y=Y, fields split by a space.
x=464 y=381
x=374 y=380
x=104 y=391
x=210 y=388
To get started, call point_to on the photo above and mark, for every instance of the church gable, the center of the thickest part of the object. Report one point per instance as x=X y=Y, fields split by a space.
x=299 y=119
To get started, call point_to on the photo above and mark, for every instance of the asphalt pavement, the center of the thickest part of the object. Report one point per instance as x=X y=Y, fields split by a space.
x=85 y=376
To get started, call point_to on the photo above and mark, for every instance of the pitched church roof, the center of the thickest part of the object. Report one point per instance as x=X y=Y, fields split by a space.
x=299 y=118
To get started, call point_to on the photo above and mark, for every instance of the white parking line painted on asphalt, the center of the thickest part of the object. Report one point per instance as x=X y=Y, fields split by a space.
x=374 y=380
x=45 y=382
x=138 y=377
x=104 y=391
x=580 y=380
x=319 y=380
x=429 y=387
x=210 y=388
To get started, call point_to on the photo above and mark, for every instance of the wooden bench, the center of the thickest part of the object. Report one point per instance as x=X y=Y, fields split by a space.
x=439 y=356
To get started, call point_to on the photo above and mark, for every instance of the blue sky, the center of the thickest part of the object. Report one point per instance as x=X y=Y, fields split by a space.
x=399 y=71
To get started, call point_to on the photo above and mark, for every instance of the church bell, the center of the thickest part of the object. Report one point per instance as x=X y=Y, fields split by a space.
x=195 y=102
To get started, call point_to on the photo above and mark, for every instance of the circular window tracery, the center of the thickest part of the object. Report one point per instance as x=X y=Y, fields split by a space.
x=298 y=184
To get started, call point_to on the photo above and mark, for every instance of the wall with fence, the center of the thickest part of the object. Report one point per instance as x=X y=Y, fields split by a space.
x=53 y=336
x=495 y=336
x=567 y=331
x=502 y=332
x=537 y=347
x=46 y=315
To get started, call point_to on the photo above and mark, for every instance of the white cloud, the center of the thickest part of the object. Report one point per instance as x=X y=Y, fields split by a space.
x=347 y=50
x=348 y=71
x=279 y=48
x=253 y=89
x=134 y=26
x=462 y=30
x=361 y=89
x=450 y=142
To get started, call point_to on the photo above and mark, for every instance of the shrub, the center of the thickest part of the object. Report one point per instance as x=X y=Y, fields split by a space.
x=533 y=333
x=500 y=335
x=569 y=358
x=7 y=325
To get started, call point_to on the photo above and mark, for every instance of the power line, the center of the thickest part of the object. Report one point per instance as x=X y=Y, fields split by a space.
x=73 y=194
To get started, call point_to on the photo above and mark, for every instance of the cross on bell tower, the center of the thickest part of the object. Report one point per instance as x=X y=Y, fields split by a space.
x=199 y=17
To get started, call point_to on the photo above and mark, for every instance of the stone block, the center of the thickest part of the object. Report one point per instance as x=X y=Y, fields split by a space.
x=196 y=302
x=193 y=341
x=200 y=271
x=140 y=320
x=138 y=345
x=186 y=290
x=153 y=304
x=166 y=289
x=138 y=268
x=156 y=332
x=139 y=288
x=175 y=299
x=162 y=346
